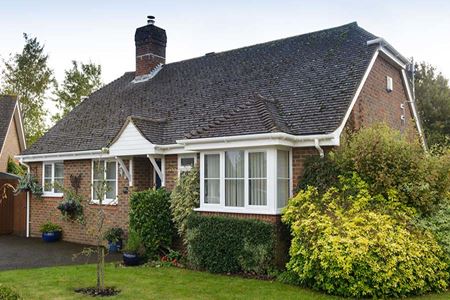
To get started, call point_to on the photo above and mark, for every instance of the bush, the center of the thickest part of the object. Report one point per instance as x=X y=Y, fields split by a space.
x=150 y=217
x=114 y=234
x=134 y=243
x=184 y=198
x=321 y=172
x=350 y=243
x=14 y=168
x=6 y=293
x=230 y=245
x=386 y=160
x=50 y=227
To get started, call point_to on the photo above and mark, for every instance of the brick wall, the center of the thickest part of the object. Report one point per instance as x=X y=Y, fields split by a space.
x=375 y=104
x=171 y=170
x=11 y=146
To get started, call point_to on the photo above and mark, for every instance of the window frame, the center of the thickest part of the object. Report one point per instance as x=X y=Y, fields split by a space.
x=271 y=182
x=106 y=201
x=52 y=192
x=185 y=168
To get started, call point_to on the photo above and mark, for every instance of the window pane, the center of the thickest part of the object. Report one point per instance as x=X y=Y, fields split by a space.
x=258 y=191
x=58 y=185
x=212 y=166
x=212 y=189
x=257 y=164
x=282 y=192
x=111 y=190
x=47 y=185
x=97 y=189
x=59 y=170
x=111 y=170
x=98 y=170
x=234 y=192
x=234 y=164
x=282 y=164
x=48 y=171
x=187 y=161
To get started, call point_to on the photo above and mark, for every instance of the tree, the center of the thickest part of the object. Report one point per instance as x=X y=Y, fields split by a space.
x=28 y=76
x=433 y=101
x=80 y=81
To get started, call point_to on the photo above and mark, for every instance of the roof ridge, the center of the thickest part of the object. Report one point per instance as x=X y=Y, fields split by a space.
x=353 y=24
x=153 y=120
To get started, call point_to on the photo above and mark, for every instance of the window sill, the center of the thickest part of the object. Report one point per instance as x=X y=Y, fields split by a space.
x=239 y=210
x=111 y=203
x=52 y=195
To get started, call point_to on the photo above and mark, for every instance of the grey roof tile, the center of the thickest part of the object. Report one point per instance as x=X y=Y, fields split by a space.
x=7 y=105
x=300 y=85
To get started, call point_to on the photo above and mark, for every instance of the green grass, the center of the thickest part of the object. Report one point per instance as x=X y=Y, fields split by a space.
x=154 y=283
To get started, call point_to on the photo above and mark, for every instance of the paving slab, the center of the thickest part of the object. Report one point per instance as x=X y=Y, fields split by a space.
x=24 y=253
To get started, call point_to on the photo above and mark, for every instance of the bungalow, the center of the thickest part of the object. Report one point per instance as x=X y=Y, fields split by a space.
x=249 y=117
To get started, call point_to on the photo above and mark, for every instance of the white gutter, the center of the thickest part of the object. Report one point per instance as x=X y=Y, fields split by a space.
x=382 y=42
x=59 y=156
x=28 y=203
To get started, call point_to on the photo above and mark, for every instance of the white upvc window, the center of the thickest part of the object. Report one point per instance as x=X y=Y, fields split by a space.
x=242 y=181
x=283 y=178
x=53 y=179
x=104 y=171
x=186 y=162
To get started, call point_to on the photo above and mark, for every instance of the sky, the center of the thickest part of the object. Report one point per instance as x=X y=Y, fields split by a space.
x=103 y=31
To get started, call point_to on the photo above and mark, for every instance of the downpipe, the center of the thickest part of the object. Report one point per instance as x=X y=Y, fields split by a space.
x=28 y=202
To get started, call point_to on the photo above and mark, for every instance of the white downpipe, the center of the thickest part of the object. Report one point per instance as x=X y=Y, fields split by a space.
x=317 y=145
x=28 y=202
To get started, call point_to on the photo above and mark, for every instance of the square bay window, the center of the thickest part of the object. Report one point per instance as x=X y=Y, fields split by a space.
x=53 y=177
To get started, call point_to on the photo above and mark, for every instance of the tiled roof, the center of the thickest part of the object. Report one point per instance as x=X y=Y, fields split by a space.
x=299 y=85
x=7 y=105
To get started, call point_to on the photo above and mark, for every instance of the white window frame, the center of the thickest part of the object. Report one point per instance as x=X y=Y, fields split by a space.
x=52 y=192
x=271 y=177
x=185 y=168
x=105 y=201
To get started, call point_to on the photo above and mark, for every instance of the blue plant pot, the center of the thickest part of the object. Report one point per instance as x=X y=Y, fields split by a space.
x=114 y=247
x=52 y=236
x=131 y=259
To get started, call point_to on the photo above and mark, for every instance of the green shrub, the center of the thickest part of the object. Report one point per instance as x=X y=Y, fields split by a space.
x=386 y=160
x=50 y=227
x=134 y=244
x=350 y=243
x=150 y=217
x=230 y=245
x=6 y=293
x=321 y=172
x=439 y=224
x=185 y=197
x=15 y=168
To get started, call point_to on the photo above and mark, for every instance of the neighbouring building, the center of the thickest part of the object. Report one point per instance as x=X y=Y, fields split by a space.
x=249 y=117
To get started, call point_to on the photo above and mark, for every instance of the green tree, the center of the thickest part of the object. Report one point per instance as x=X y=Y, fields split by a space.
x=433 y=101
x=28 y=76
x=80 y=81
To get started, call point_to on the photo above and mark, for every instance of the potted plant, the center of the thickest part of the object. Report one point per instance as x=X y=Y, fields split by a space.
x=114 y=237
x=133 y=251
x=71 y=207
x=28 y=183
x=51 y=232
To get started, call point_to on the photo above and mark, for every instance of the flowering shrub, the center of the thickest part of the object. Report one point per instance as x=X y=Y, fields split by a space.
x=71 y=208
x=350 y=243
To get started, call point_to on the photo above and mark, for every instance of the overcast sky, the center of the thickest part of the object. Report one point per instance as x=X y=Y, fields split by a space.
x=103 y=31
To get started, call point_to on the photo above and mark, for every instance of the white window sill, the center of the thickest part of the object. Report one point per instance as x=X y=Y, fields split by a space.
x=107 y=202
x=52 y=195
x=257 y=210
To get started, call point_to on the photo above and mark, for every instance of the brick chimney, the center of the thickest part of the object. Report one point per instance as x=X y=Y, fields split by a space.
x=150 y=42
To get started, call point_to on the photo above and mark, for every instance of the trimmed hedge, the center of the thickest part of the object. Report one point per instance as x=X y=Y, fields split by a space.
x=7 y=293
x=230 y=245
x=150 y=217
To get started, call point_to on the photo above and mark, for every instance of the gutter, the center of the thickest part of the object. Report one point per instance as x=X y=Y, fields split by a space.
x=28 y=202
x=382 y=42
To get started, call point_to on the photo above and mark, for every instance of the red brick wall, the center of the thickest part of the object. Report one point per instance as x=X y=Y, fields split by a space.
x=42 y=211
x=375 y=104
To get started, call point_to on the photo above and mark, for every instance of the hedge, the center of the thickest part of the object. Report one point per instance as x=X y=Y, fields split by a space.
x=150 y=217
x=230 y=245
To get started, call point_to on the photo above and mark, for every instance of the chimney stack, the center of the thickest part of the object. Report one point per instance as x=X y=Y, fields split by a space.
x=150 y=42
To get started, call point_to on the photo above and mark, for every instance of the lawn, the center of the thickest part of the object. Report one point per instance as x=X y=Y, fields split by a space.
x=154 y=283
